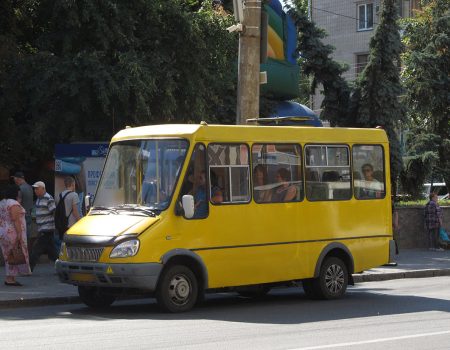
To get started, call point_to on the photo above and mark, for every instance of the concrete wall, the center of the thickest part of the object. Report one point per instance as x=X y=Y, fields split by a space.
x=411 y=233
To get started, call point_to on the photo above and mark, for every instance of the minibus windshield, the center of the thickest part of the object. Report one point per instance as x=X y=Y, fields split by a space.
x=140 y=174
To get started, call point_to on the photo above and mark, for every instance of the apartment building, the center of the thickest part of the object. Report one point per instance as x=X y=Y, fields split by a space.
x=350 y=24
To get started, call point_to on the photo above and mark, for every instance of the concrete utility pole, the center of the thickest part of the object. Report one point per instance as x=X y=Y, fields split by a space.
x=249 y=61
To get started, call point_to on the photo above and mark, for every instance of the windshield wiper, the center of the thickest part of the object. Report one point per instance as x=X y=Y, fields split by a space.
x=136 y=207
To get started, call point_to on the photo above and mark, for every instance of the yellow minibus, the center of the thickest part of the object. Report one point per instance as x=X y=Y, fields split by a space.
x=181 y=210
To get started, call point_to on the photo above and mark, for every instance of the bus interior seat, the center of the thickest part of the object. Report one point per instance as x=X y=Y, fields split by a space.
x=378 y=174
x=330 y=176
x=342 y=193
x=312 y=175
x=316 y=191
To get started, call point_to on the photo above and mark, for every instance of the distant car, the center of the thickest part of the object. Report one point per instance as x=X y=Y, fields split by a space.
x=439 y=187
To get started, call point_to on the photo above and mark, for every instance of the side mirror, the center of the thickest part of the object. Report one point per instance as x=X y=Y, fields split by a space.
x=188 y=206
x=88 y=201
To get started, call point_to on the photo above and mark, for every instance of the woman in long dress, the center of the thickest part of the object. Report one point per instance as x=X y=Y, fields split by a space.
x=12 y=231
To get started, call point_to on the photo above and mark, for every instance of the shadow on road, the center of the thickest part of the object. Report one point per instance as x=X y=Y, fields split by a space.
x=283 y=306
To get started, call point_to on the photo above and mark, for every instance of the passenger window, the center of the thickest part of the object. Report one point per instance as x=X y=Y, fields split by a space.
x=195 y=182
x=228 y=173
x=368 y=172
x=277 y=173
x=327 y=172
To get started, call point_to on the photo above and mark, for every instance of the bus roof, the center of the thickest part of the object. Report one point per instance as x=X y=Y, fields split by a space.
x=246 y=133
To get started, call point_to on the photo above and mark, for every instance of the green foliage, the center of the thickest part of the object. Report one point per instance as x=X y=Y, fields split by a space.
x=82 y=70
x=419 y=161
x=375 y=101
x=426 y=76
x=316 y=62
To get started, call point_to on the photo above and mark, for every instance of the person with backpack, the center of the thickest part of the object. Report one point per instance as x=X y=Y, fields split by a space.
x=66 y=213
x=45 y=208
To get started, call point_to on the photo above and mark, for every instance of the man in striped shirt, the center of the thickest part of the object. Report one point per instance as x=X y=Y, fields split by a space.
x=45 y=208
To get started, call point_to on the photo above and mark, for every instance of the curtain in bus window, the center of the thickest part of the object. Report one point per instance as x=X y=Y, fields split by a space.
x=228 y=173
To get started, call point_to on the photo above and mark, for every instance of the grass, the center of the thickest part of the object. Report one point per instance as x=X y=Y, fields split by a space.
x=420 y=203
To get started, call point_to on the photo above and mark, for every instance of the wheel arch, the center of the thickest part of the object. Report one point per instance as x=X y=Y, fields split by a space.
x=190 y=259
x=337 y=250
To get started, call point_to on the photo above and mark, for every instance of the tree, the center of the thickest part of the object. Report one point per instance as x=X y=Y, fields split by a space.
x=316 y=62
x=427 y=81
x=93 y=67
x=376 y=99
x=421 y=156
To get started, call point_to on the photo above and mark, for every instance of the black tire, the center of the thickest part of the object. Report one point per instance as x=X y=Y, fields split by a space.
x=253 y=291
x=177 y=289
x=332 y=281
x=95 y=297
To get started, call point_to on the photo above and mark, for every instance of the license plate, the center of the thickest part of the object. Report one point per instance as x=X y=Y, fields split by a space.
x=82 y=277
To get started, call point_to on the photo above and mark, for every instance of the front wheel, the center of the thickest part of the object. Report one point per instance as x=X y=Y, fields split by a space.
x=95 y=297
x=177 y=289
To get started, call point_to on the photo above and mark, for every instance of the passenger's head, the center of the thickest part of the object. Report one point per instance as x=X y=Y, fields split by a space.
x=367 y=170
x=69 y=183
x=433 y=197
x=201 y=178
x=11 y=192
x=259 y=175
x=283 y=175
x=39 y=188
x=18 y=177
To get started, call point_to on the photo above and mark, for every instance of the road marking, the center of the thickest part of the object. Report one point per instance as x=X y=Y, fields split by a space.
x=340 y=345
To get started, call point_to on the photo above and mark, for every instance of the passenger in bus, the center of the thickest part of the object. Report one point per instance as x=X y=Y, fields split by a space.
x=285 y=192
x=216 y=190
x=201 y=205
x=259 y=181
x=371 y=187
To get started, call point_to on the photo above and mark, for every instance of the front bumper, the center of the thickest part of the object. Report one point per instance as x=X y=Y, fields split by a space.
x=140 y=276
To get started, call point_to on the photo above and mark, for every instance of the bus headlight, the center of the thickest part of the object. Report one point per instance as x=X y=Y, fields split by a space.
x=125 y=249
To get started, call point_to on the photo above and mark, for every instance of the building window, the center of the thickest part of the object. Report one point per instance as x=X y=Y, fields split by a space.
x=361 y=62
x=365 y=16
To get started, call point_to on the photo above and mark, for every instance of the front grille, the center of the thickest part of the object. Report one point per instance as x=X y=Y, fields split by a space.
x=84 y=254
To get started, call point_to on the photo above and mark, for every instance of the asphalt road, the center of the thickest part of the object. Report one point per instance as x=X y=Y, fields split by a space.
x=398 y=314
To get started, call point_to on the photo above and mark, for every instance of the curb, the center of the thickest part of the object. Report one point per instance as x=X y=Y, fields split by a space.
x=373 y=277
x=9 y=304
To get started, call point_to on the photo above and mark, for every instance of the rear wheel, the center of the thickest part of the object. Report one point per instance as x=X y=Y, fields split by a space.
x=331 y=283
x=177 y=289
x=95 y=297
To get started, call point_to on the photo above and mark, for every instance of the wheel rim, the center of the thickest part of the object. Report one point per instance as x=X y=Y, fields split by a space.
x=180 y=289
x=334 y=278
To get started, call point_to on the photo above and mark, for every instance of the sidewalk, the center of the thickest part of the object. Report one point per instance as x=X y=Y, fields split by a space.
x=44 y=288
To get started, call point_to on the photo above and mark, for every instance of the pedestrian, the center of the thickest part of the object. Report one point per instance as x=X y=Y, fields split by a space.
x=71 y=202
x=25 y=198
x=13 y=236
x=45 y=207
x=433 y=221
